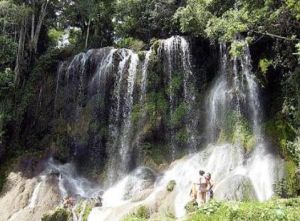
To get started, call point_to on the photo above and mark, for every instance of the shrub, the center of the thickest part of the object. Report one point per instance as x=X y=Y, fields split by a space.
x=141 y=214
x=171 y=185
x=59 y=214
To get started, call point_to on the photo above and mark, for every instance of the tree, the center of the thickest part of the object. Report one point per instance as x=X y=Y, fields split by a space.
x=223 y=22
x=92 y=17
x=145 y=19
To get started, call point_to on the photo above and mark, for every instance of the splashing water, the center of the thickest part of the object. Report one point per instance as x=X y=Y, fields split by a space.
x=70 y=183
x=235 y=89
x=227 y=162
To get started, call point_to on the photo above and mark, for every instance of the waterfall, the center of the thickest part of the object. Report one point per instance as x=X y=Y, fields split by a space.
x=127 y=124
x=144 y=77
x=237 y=90
x=105 y=85
x=218 y=98
x=34 y=198
x=236 y=93
x=69 y=182
x=121 y=122
x=253 y=93
x=175 y=54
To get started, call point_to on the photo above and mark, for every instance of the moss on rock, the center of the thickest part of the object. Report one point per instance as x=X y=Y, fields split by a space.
x=171 y=185
x=59 y=214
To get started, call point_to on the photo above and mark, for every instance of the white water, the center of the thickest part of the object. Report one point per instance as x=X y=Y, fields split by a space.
x=104 y=67
x=223 y=161
x=127 y=124
x=144 y=76
x=119 y=153
x=35 y=194
x=176 y=58
x=226 y=162
x=70 y=183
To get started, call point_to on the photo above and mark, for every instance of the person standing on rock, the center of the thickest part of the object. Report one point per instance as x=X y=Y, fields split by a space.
x=202 y=188
x=210 y=186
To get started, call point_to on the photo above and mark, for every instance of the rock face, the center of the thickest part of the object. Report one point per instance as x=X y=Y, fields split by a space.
x=236 y=187
x=28 y=199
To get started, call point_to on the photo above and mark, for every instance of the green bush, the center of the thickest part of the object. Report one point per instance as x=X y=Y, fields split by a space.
x=276 y=209
x=171 y=185
x=191 y=206
x=141 y=214
x=281 y=132
x=236 y=129
x=59 y=214
x=131 y=43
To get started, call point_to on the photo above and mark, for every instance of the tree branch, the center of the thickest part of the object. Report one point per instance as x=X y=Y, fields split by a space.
x=277 y=36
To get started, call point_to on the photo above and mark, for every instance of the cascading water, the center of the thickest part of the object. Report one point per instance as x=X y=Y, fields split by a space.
x=127 y=124
x=243 y=92
x=102 y=86
x=144 y=76
x=175 y=54
x=237 y=176
x=217 y=98
x=122 y=122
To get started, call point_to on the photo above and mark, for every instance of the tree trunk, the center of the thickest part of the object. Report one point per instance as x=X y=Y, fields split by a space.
x=20 y=52
x=87 y=34
x=43 y=13
x=32 y=27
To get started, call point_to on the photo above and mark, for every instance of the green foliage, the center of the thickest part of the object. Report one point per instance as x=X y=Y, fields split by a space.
x=176 y=83
x=291 y=103
x=294 y=6
x=7 y=52
x=59 y=214
x=292 y=182
x=264 y=65
x=87 y=206
x=236 y=129
x=293 y=148
x=6 y=83
x=86 y=213
x=10 y=15
x=93 y=18
x=131 y=43
x=181 y=136
x=156 y=106
x=171 y=185
x=178 y=115
x=191 y=206
x=237 y=48
x=55 y=35
x=224 y=21
x=276 y=209
x=144 y=19
x=194 y=17
x=141 y=214
x=227 y=27
x=281 y=133
x=210 y=207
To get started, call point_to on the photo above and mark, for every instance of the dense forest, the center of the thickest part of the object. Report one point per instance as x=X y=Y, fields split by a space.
x=112 y=85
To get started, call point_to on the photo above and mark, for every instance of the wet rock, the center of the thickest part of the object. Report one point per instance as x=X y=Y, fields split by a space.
x=236 y=187
x=141 y=195
x=143 y=178
x=59 y=214
x=28 y=199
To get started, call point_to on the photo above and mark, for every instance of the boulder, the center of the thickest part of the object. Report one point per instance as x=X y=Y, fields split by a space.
x=236 y=187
